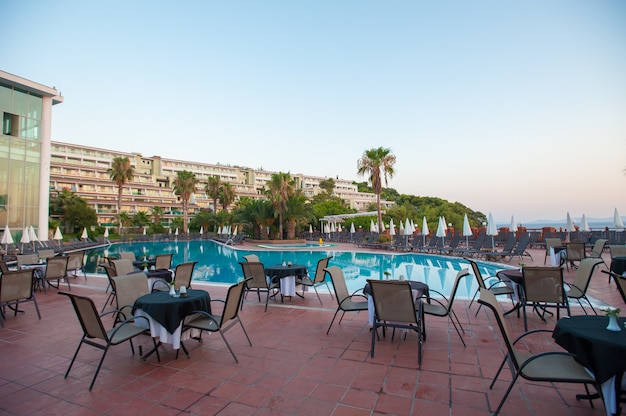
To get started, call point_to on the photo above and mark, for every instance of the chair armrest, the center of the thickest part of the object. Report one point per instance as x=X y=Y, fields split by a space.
x=430 y=295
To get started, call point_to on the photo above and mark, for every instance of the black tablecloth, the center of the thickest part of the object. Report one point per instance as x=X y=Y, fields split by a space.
x=597 y=348
x=421 y=287
x=514 y=275
x=170 y=311
x=618 y=265
x=279 y=271
x=140 y=264
x=163 y=274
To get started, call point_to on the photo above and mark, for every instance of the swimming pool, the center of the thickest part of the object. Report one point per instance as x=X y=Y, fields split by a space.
x=295 y=246
x=220 y=264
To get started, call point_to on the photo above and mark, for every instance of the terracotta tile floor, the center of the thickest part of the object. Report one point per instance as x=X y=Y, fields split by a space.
x=293 y=367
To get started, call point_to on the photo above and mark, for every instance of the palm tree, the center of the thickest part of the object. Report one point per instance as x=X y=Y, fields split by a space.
x=212 y=190
x=185 y=185
x=125 y=220
x=259 y=213
x=377 y=164
x=280 y=188
x=120 y=172
x=297 y=210
x=156 y=213
x=227 y=195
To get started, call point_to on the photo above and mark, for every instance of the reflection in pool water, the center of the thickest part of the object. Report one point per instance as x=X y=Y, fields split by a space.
x=220 y=264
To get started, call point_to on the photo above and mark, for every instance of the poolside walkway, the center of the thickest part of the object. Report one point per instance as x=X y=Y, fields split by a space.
x=293 y=367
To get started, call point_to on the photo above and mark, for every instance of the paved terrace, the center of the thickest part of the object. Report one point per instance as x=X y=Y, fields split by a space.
x=293 y=367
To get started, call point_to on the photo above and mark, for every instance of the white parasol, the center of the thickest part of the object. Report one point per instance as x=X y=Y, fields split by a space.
x=32 y=235
x=25 y=239
x=235 y=230
x=467 y=230
x=144 y=230
x=310 y=229
x=491 y=229
x=6 y=238
x=441 y=230
x=176 y=232
x=352 y=230
x=219 y=230
x=58 y=236
x=373 y=228
x=425 y=230
x=85 y=236
x=617 y=220
x=392 y=228
x=106 y=233
x=401 y=229
x=201 y=230
x=513 y=227
x=584 y=226
x=339 y=228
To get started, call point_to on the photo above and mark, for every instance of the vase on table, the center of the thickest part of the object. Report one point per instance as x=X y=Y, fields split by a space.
x=172 y=290
x=613 y=324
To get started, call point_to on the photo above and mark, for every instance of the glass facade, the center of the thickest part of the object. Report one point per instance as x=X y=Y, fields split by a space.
x=20 y=157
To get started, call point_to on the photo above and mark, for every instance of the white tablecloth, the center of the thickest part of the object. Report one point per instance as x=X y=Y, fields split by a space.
x=158 y=331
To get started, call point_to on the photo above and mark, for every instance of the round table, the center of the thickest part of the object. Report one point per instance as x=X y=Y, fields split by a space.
x=169 y=311
x=286 y=276
x=600 y=350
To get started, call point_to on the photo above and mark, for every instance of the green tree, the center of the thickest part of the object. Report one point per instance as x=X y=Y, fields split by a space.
x=141 y=219
x=125 y=221
x=377 y=164
x=298 y=210
x=280 y=189
x=227 y=195
x=156 y=213
x=328 y=185
x=185 y=185
x=120 y=172
x=205 y=218
x=73 y=211
x=212 y=190
x=258 y=213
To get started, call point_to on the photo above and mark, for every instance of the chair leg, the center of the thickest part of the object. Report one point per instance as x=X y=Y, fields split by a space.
x=331 y=322
x=99 y=366
x=318 y=295
x=37 y=307
x=228 y=346
x=506 y=394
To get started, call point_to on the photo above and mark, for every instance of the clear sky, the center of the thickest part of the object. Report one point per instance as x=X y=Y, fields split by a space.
x=513 y=107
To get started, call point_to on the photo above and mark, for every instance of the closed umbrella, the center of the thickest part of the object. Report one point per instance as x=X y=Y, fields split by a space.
x=584 y=226
x=467 y=230
x=401 y=229
x=392 y=228
x=6 y=238
x=491 y=229
x=570 y=224
x=106 y=233
x=144 y=230
x=373 y=228
x=235 y=230
x=425 y=230
x=25 y=239
x=176 y=232
x=201 y=230
x=58 y=236
x=441 y=230
x=310 y=230
x=617 y=220
x=32 y=235
x=352 y=230
x=513 y=227
x=339 y=229
x=219 y=230
x=85 y=236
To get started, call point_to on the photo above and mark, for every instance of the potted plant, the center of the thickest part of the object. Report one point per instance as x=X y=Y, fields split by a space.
x=612 y=313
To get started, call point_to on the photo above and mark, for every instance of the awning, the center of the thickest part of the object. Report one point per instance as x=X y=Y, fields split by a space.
x=343 y=217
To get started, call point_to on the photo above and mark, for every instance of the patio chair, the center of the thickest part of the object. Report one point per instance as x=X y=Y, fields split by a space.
x=127 y=289
x=43 y=254
x=253 y=258
x=23 y=259
x=254 y=275
x=110 y=271
x=597 y=249
x=75 y=263
x=123 y=266
x=318 y=280
x=129 y=255
x=442 y=309
x=497 y=288
x=394 y=305
x=551 y=367
x=183 y=275
x=551 y=242
x=163 y=261
x=345 y=300
x=205 y=321
x=3 y=267
x=578 y=288
x=94 y=330
x=543 y=288
x=506 y=251
x=574 y=253
x=620 y=282
x=16 y=288
x=56 y=269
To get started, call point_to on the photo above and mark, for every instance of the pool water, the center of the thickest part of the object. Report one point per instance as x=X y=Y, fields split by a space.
x=220 y=264
x=295 y=246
